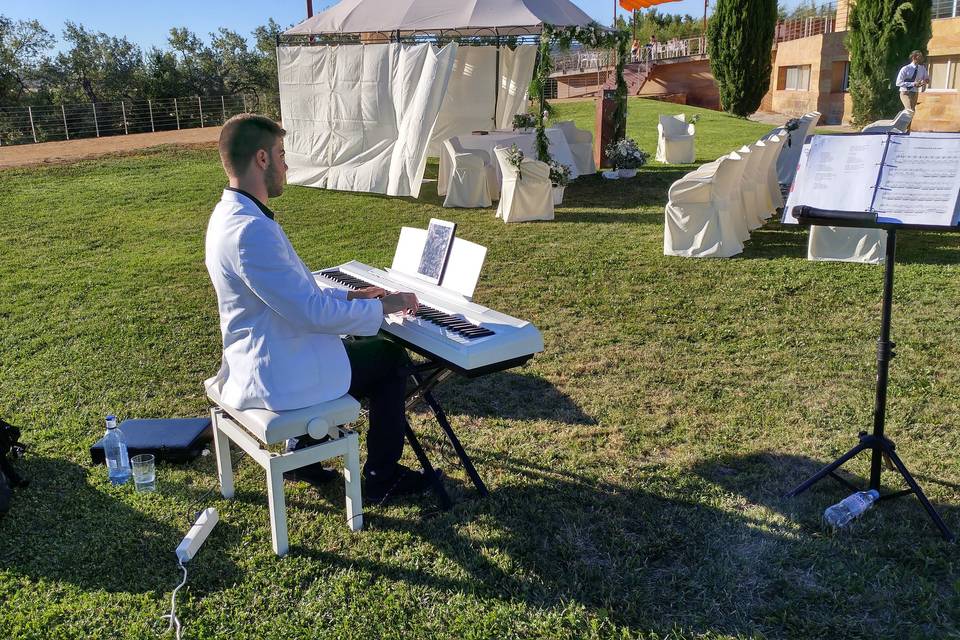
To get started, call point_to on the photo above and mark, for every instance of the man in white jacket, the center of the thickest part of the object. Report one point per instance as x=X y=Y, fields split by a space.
x=281 y=330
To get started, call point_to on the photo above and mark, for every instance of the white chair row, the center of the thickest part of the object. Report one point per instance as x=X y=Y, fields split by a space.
x=473 y=183
x=711 y=211
x=675 y=140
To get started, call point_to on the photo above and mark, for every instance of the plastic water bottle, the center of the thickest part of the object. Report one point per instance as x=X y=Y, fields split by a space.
x=115 y=452
x=840 y=514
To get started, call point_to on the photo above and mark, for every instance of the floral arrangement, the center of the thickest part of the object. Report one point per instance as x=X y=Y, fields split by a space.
x=515 y=158
x=694 y=119
x=559 y=174
x=625 y=154
x=524 y=121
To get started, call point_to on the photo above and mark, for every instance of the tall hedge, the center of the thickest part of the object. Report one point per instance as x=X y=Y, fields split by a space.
x=740 y=40
x=881 y=35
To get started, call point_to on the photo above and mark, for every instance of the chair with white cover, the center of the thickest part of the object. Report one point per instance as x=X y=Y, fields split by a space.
x=581 y=144
x=790 y=155
x=675 y=140
x=753 y=185
x=468 y=182
x=775 y=143
x=900 y=124
x=846 y=244
x=697 y=219
x=526 y=194
x=253 y=430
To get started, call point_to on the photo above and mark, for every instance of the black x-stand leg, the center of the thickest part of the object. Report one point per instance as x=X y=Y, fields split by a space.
x=880 y=446
x=423 y=391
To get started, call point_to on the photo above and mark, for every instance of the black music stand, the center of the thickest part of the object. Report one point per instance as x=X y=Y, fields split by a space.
x=877 y=442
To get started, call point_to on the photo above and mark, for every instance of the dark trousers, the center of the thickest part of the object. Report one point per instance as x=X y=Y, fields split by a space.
x=377 y=367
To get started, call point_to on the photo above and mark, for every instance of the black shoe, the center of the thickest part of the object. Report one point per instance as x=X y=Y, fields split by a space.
x=315 y=474
x=379 y=488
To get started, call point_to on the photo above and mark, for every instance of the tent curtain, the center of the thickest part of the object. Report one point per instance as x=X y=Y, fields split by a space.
x=469 y=103
x=516 y=72
x=358 y=118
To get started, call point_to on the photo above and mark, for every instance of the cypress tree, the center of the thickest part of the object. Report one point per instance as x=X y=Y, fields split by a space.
x=881 y=35
x=740 y=36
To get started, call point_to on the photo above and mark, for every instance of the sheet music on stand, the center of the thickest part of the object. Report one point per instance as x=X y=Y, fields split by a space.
x=911 y=180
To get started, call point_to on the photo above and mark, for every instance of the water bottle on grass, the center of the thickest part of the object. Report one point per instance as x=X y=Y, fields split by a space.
x=840 y=514
x=115 y=453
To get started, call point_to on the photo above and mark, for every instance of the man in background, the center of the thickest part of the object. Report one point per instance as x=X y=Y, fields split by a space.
x=912 y=79
x=281 y=330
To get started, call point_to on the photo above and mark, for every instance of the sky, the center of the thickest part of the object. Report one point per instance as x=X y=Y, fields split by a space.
x=147 y=23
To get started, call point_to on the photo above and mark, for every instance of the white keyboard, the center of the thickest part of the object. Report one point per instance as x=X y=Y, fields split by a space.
x=468 y=337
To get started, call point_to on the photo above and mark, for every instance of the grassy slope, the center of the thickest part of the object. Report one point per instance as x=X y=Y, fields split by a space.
x=636 y=466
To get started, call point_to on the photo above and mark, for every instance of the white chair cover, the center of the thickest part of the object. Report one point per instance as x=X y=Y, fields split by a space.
x=729 y=199
x=775 y=143
x=753 y=185
x=525 y=197
x=697 y=217
x=467 y=182
x=899 y=124
x=847 y=244
x=675 y=142
x=581 y=144
x=790 y=156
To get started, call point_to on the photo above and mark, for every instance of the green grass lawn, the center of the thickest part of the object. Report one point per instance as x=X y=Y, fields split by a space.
x=636 y=467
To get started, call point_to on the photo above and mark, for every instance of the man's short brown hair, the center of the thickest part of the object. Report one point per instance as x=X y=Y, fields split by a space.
x=242 y=136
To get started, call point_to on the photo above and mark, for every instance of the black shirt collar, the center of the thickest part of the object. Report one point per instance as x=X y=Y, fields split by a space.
x=263 y=208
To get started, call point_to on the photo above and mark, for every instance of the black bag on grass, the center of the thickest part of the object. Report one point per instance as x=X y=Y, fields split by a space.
x=10 y=446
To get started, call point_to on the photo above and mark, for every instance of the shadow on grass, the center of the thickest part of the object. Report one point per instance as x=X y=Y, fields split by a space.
x=63 y=529
x=656 y=555
x=507 y=395
x=765 y=478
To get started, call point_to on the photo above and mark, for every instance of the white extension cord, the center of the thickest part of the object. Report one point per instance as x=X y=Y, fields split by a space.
x=186 y=550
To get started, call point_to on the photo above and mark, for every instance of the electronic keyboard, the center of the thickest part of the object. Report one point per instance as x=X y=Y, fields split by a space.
x=467 y=337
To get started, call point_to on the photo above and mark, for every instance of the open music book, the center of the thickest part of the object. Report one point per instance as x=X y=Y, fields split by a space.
x=902 y=179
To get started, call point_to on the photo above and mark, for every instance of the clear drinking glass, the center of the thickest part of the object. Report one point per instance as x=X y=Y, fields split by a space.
x=144 y=472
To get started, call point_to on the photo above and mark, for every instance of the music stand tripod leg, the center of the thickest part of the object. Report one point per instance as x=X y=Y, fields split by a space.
x=931 y=511
x=827 y=470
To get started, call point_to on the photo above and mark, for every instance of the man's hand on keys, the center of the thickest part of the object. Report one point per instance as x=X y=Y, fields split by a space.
x=400 y=302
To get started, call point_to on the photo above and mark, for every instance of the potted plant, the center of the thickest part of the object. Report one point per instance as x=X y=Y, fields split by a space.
x=559 y=178
x=524 y=122
x=627 y=157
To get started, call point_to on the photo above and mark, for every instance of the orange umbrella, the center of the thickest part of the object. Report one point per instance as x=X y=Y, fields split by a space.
x=637 y=5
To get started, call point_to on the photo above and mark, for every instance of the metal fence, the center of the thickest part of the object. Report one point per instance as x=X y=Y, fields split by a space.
x=47 y=123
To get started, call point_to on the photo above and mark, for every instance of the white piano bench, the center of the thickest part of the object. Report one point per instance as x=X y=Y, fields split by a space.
x=254 y=429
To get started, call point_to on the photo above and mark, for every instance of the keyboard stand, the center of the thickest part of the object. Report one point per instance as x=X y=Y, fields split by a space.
x=426 y=377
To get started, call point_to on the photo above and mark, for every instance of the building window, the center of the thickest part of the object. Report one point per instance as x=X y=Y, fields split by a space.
x=795 y=78
x=943 y=73
x=945 y=9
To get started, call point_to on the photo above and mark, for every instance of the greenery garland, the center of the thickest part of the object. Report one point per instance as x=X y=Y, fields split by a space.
x=595 y=37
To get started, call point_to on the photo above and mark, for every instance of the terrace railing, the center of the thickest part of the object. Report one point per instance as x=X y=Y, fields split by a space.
x=54 y=122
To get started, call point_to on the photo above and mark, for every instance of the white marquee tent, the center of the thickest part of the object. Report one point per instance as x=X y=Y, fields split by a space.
x=367 y=93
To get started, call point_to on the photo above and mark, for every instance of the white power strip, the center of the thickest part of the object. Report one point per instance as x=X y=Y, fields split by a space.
x=197 y=535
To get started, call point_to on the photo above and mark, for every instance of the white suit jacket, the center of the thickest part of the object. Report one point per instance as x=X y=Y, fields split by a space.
x=281 y=330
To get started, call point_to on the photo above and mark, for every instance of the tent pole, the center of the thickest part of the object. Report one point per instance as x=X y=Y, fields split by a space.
x=496 y=79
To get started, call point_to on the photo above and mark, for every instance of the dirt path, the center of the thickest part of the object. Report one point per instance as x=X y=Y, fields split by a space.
x=68 y=151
